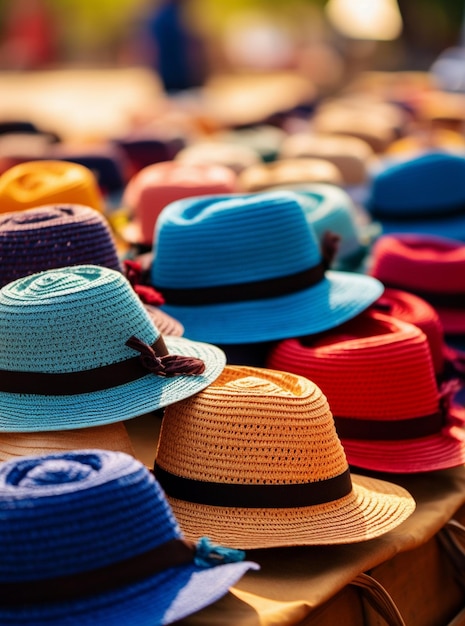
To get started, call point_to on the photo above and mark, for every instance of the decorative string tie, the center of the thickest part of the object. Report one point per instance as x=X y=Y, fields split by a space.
x=134 y=274
x=329 y=247
x=454 y=420
x=168 y=365
x=208 y=554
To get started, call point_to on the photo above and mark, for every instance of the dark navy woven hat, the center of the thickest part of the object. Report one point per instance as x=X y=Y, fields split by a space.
x=87 y=537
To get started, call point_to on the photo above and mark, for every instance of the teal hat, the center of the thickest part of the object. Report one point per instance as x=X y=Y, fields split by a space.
x=78 y=349
x=249 y=268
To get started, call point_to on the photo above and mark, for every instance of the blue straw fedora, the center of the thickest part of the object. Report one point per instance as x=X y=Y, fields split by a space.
x=78 y=349
x=249 y=268
x=423 y=195
x=87 y=537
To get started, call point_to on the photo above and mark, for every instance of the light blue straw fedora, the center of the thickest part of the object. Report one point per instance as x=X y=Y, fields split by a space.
x=244 y=269
x=87 y=537
x=78 y=349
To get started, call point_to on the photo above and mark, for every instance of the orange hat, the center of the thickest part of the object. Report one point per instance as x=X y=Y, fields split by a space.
x=34 y=183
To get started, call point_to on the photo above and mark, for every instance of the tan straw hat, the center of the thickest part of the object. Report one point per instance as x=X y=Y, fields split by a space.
x=254 y=460
x=108 y=437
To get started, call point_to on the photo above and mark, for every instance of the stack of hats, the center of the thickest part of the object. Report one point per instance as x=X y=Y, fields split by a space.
x=242 y=270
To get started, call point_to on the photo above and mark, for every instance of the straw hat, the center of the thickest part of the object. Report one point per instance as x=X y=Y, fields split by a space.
x=263 y=138
x=428 y=266
x=249 y=268
x=378 y=376
x=61 y=235
x=288 y=172
x=155 y=186
x=78 y=349
x=448 y=362
x=109 y=437
x=87 y=537
x=34 y=183
x=330 y=208
x=349 y=154
x=232 y=155
x=255 y=459
x=424 y=194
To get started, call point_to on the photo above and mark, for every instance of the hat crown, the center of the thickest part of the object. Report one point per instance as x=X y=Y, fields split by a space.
x=70 y=319
x=77 y=511
x=237 y=433
x=232 y=240
x=39 y=216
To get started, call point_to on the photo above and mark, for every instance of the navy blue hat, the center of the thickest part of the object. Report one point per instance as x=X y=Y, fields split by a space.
x=424 y=195
x=87 y=537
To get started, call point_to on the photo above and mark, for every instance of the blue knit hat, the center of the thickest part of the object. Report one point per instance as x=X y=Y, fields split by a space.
x=423 y=195
x=78 y=349
x=248 y=268
x=87 y=537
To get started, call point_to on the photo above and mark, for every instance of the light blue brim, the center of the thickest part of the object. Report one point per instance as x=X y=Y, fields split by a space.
x=159 y=600
x=339 y=297
x=37 y=413
x=449 y=227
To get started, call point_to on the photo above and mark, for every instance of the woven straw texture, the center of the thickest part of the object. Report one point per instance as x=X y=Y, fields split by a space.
x=289 y=172
x=53 y=236
x=156 y=185
x=424 y=194
x=425 y=265
x=109 y=437
x=108 y=503
x=410 y=308
x=35 y=183
x=218 y=241
x=349 y=154
x=79 y=318
x=377 y=367
x=253 y=426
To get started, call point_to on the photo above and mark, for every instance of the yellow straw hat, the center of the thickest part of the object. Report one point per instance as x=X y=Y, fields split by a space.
x=34 y=183
x=108 y=437
x=254 y=460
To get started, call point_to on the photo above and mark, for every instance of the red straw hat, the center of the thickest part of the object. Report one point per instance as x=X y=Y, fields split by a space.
x=431 y=267
x=448 y=362
x=378 y=376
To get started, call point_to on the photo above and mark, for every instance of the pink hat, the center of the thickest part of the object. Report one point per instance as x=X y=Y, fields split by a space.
x=428 y=266
x=378 y=376
x=159 y=184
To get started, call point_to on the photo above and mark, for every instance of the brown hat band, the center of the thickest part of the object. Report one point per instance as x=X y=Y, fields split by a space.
x=255 y=290
x=389 y=430
x=154 y=359
x=253 y=496
x=103 y=579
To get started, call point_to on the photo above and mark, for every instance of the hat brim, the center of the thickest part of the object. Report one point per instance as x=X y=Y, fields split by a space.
x=340 y=296
x=158 y=600
x=166 y=324
x=33 y=412
x=407 y=456
x=109 y=437
x=373 y=508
